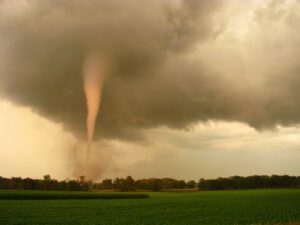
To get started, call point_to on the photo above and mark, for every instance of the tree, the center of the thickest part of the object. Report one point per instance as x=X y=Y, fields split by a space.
x=129 y=184
x=191 y=184
x=47 y=177
x=126 y=184
x=82 y=179
x=107 y=184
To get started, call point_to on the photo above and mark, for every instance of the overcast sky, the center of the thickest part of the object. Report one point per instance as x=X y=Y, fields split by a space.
x=195 y=89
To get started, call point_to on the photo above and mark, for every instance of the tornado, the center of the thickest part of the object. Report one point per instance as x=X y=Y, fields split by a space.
x=94 y=73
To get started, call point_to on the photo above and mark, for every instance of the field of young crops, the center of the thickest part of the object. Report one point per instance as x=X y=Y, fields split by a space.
x=64 y=195
x=201 y=208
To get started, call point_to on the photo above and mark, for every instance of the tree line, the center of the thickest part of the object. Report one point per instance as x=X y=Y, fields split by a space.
x=250 y=182
x=45 y=184
x=152 y=184
x=118 y=184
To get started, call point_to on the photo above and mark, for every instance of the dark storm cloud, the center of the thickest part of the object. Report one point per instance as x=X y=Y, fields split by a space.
x=154 y=82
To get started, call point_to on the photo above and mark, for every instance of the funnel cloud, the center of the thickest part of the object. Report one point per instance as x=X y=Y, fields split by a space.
x=94 y=74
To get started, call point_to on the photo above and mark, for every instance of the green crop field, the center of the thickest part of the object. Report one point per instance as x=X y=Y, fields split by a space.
x=201 y=208
x=64 y=195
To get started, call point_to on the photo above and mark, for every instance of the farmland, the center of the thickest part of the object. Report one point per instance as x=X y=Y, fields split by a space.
x=205 y=208
x=56 y=195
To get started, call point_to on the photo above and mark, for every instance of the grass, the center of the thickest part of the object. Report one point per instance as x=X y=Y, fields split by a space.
x=280 y=206
x=60 y=195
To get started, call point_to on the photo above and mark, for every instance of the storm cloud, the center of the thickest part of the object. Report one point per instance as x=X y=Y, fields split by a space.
x=175 y=63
